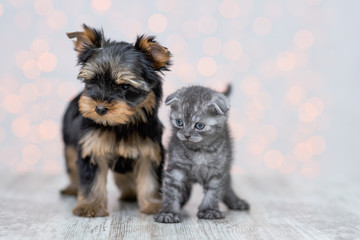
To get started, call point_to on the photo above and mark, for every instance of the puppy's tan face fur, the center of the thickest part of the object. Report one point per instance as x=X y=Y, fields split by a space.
x=118 y=112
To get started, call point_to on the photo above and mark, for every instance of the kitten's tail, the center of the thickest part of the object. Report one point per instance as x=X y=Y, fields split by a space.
x=228 y=90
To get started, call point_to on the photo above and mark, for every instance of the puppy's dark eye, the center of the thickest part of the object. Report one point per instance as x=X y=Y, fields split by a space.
x=199 y=126
x=125 y=86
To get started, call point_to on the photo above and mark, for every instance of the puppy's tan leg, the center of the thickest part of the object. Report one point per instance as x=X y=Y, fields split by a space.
x=92 y=194
x=147 y=187
x=127 y=185
x=70 y=157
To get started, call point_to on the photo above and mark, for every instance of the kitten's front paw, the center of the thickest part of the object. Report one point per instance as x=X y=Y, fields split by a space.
x=239 y=204
x=210 y=214
x=167 y=218
x=90 y=210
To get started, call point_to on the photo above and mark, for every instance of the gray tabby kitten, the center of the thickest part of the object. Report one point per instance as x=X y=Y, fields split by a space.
x=200 y=150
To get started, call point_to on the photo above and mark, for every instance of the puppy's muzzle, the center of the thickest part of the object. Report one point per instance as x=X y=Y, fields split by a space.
x=101 y=110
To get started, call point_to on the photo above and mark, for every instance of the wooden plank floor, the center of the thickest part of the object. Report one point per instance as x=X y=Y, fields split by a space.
x=282 y=208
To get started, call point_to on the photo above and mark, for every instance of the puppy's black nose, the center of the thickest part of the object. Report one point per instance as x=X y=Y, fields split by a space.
x=101 y=110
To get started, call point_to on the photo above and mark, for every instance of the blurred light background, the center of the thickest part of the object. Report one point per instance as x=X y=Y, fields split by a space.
x=293 y=66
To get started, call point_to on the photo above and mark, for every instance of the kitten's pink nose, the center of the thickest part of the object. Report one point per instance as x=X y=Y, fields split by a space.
x=187 y=136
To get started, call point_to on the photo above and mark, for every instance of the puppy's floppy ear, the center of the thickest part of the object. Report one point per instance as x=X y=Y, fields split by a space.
x=159 y=55
x=87 y=41
x=220 y=104
x=172 y=98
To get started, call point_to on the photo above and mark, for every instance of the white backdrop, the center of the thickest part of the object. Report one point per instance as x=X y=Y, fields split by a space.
x=293 y=66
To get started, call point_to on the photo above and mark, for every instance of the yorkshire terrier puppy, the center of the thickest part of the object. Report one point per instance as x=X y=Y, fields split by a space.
x=113 y=122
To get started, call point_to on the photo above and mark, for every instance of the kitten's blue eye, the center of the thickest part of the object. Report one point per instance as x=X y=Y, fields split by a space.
x=179 y=122
x=199 y=126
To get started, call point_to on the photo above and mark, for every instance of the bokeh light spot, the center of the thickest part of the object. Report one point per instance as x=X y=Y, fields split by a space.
x=21 y=58
x=43 y=7
x=303 y=113
x=212 y=46
x=314 y=107
x=57 y=20
x=304 y=39
x=101 y=5
x=286 y=61
x=31 y=154
x=49 y=129
x=262 y=26
x=39 y=46
x=256 y=145
x=31 y=69
x=207 y=66
x=229 y=9
x=316 y=145
x=273 y=159
x=301 y=152
x=166 y=5
x=9 y=84
x=157 y=23
x=1 y=9
x=20 y=127
x=47 y=62
x=232 y=50
x=13 y=103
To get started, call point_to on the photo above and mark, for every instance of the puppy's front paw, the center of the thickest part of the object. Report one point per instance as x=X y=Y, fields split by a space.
x=239 y=204
x=90 y=210
x=150 y=207
x=167 y=218
x=210 y=214
x=69 y=190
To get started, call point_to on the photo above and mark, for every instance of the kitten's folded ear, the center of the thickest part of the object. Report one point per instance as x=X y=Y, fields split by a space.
x=220 y=104
x=172 y=98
